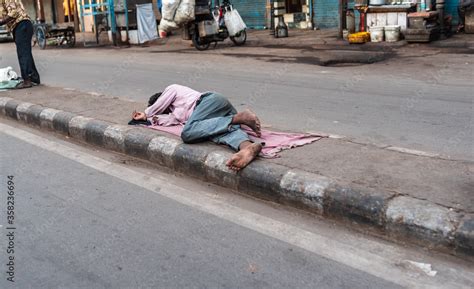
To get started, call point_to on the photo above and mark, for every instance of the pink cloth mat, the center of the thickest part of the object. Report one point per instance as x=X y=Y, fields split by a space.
x=273 y=142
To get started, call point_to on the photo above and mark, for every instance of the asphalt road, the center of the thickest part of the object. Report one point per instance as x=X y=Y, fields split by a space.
x=84 y=221
x=417 y=103
x=80 y=228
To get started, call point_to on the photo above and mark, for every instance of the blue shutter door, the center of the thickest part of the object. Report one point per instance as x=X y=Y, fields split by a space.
x=253 y=12
x=451 y=8
x=326 y=13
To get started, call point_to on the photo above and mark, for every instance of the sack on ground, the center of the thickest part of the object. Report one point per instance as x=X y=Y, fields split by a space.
x=167 y=26
x=168 y=9
x=185 y=12
x=234 y=22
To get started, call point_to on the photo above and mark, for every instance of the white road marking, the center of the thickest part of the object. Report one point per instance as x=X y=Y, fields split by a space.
x=412 y=152
x=376 y=264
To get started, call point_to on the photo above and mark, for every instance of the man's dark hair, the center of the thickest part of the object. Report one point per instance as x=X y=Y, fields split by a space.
x=153 y=98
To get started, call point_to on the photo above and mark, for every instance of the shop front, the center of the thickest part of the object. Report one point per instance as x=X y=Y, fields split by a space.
x=308 y=14
x=254 y=12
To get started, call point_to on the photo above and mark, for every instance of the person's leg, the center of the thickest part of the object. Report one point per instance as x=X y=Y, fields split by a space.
x=213 y=117
x=239 y=141
x=32 y=71
x=248 y=151
x=217 y=120
x=233 y=137
x=23 y=35
x=19 y=35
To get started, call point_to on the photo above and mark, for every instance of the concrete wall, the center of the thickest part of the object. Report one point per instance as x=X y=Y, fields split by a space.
x=48 y=11
x=30 y=6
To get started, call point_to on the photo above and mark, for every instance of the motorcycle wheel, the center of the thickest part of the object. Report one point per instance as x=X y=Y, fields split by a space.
x=197 y=43
x=240 y=38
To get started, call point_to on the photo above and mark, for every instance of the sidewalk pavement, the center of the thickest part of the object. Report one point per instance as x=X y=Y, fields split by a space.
x=424 y=198
x=320 y=47
x=323 y=39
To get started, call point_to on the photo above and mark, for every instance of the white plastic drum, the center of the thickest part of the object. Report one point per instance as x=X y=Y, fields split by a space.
x=392 y=33
x=377 y=2
x=376 y=33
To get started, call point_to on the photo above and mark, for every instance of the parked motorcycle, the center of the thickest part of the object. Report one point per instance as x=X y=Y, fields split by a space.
x=210 y=28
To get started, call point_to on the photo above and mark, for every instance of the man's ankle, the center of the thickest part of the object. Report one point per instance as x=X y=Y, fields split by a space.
x=236 y=119
x=245 y=144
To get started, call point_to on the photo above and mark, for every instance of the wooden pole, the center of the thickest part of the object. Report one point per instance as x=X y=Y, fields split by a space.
x=76 y=16
x=69 y=11
x=341 y=18
x=39 y=11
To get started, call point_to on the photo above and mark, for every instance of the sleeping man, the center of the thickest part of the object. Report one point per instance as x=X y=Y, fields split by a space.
x=206 y=116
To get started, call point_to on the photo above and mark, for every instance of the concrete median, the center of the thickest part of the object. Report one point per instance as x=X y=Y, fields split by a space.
x=395 y=215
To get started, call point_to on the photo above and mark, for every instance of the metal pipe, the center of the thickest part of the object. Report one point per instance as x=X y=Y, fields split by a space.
x=311 y=12
x=125 y=4
x=113 y=22
x=272 y=17
x=69 y=12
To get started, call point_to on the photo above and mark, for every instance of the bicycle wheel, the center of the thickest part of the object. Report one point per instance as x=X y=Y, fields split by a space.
x=41 y=37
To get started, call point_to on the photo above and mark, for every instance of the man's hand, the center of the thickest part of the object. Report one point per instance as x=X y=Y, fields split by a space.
x=137 y=115
x=5 y=20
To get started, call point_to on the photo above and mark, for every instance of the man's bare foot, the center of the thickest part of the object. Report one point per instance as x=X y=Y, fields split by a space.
x=244 y=157
x=250 y=119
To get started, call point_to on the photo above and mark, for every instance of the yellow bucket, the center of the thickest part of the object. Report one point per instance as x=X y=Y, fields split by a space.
x=359 y=37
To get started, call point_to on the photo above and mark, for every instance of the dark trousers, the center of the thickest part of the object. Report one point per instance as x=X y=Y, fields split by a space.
x=23 y=33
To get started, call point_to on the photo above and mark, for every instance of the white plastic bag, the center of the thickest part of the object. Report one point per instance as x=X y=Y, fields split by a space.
x=185 y=12
x=234 y=22
x=168 y=9
x=7 y=74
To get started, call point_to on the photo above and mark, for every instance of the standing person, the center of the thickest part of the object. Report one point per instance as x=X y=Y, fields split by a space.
x=205 y=116
x=18 y=22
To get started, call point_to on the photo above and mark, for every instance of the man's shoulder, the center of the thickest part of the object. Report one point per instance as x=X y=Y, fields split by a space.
x=179 y=88
x=175 y=85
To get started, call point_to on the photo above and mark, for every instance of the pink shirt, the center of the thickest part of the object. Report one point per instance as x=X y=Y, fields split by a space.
x=181 y=101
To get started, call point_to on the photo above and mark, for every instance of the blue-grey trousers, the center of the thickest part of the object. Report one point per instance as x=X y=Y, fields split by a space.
x=212 y=120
